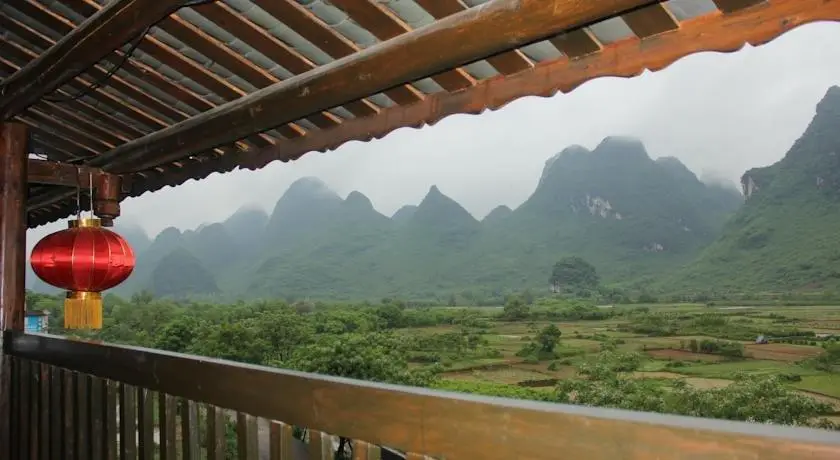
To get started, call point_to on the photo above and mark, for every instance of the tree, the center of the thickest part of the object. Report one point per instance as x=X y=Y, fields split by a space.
x=548 y=338
x=515 y=310
x=573 y=273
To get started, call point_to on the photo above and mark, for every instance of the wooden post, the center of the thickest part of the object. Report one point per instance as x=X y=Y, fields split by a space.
x=106 y=203
x=13 y=161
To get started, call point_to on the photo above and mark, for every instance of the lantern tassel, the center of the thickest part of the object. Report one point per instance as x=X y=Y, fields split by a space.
x=83 y=310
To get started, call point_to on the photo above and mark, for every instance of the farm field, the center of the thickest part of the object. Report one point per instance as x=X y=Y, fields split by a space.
x=666 y=358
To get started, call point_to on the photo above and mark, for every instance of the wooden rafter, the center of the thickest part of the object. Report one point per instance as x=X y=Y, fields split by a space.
x=169 y=56
x=627 y=58
x=108 y=29
x=166 y=82
x=498 y=25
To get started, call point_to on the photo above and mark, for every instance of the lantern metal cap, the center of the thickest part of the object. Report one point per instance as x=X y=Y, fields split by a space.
x=84 y=222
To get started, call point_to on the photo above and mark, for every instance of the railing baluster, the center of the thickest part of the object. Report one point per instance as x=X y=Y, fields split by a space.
x=56 y=414
x=98 y=404
x=82 y=416
x=44 y=412
x=128 y=422
x=68 y=388
x=111 y=424
x=34 y=382
x=281 y=438
x=14 y=407
x=166 y=426
x=216 y=442
x=24 y=408
x=320 y=446
x=189 y=430
x=366 y=451
x=145 y=414
x=246 y=437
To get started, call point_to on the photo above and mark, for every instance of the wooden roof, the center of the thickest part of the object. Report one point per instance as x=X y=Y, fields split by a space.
x=166 y=91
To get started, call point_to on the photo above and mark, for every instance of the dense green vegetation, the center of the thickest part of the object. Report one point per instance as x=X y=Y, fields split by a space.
x=621 y=282
x=684 y=359
x=785 y=236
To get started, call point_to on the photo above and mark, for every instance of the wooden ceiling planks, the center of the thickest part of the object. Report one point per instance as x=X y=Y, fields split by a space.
x=577 y=43
x=621 y=59
x=651 y=20
x=384 y=25
x=731 y=6
x=321 y=35
x=262 y=41
x=500 y=24
x=70 y=130
x=115 y=24
x=187 y=67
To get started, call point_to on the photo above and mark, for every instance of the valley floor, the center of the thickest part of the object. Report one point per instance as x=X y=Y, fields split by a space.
x=665 y=359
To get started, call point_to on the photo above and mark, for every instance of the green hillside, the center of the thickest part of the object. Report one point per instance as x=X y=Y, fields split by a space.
x=787 y=234
x=631 y=216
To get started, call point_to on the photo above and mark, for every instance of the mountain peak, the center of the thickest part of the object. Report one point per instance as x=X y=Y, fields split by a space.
x=168 y=234
x=434 y=190
x=358 y=200
x=570 y=152
x=308 y=189
x=498 y=213
x=437 y=207
x=622 y=146
x=308 y=184
x=830 y=102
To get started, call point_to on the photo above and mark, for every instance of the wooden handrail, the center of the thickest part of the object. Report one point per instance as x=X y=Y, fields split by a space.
x=434 y=423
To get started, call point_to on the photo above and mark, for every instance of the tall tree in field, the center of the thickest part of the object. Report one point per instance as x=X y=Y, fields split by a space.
x=573 y=273
x=548 y=338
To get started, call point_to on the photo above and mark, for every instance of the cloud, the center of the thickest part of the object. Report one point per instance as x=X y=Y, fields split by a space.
x=720 y=114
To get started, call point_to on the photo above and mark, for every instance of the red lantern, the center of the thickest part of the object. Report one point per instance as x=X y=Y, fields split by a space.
x=85 y=260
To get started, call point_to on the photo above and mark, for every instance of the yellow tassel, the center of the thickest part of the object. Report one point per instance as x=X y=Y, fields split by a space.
x=83 y=310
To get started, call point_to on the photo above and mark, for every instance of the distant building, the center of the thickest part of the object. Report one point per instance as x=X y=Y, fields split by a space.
x=761 y=339
x=36 y=321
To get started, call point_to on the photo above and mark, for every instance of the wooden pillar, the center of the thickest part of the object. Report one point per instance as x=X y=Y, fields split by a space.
x=106 y=203
x=13 y=161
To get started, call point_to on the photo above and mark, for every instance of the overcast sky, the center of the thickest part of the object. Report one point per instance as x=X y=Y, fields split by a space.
x=721 y=114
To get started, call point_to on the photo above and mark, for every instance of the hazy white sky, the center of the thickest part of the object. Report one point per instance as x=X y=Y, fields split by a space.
x=720 y=114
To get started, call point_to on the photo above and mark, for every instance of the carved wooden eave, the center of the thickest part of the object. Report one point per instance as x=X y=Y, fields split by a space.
x=241 y=63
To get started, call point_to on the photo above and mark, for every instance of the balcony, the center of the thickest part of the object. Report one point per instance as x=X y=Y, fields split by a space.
x=84 y=400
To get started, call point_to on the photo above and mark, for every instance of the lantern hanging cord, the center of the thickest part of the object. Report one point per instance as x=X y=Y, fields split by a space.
x=90 y=191
x=78 y=193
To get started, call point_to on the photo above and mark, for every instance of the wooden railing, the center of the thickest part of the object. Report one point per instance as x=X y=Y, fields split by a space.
x=80 y=400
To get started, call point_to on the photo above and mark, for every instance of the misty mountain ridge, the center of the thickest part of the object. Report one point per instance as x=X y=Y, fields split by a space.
x=785 y=236
x=640 y=221
x=628 y=214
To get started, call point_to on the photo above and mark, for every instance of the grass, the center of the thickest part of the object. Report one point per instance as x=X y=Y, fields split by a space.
x=702 y=371
x=825 y=384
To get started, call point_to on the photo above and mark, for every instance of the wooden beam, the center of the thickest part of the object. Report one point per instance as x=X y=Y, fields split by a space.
x=105 y=31
x=108 y=186
x=13 y=141
x=63 y=174
x=493 y=27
